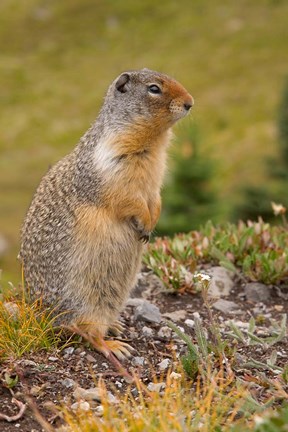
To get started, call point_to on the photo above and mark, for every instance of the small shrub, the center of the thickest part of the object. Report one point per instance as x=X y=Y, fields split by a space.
x=25 y=327
x=256 y=251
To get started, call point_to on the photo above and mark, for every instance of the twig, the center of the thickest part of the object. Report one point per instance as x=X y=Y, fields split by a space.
x=22 y=408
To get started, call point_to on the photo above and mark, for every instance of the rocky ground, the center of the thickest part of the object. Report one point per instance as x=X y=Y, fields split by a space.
x=66 y=375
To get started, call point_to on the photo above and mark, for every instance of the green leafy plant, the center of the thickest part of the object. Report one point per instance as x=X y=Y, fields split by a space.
x=253 y=251
x=250 y=338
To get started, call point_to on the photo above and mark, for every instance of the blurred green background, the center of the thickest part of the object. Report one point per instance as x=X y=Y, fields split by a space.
x=58 y=57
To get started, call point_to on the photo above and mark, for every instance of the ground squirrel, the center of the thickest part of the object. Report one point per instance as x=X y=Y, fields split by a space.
x=82 y=238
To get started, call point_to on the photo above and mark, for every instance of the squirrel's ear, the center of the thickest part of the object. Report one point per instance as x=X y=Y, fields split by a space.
x=121 y=84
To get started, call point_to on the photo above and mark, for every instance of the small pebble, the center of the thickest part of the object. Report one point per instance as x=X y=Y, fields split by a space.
x=112 y=399
x=175 y=375
x=91 y=394
x=190 y=323
x=99 y=410
x=53 y=359
x=147 y=312
x=138 y=361
x=90 y=358
x=164 y=332
x=68 y=383
x=84 y=406
x=156 y=387
x=147 y=331
x=134 y=392
x=177 y=315
x=28 y=363
x=69 y=350
x=164 y=364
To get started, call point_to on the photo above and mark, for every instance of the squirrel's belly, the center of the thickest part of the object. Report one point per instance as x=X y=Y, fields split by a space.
x=105 y=261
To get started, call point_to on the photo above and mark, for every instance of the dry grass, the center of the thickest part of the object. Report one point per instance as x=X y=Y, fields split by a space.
x=211 y=402
x=25 y=327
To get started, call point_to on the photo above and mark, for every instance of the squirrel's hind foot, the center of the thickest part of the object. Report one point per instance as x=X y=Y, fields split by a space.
x=120 y=349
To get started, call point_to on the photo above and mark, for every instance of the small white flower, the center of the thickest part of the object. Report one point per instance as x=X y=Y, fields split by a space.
x=202 y=277
x=258 y=420
x=278 y=209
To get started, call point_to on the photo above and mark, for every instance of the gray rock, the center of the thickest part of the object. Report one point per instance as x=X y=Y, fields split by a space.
x=175 y=375
x=147 y=312
x=69 y=350
x=138 y=361
x=190 y=323
x=93 y=394
x=28 y=363
x=240 y=324
x=156 y=387
x=146 y=283
x=90 y=358
x=135 y=392
x=68 y=383
x=221 y=281
x=147 y=331
x=99 y=410
x=257 y=292
x=164 y=332
x=83 y=406
x=164 y=364
x=134 y=302
x=176 y=315
x=225 y=306
x=12 y=309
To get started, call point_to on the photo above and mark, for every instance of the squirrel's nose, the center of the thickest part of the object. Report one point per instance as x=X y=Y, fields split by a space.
x=188 y=104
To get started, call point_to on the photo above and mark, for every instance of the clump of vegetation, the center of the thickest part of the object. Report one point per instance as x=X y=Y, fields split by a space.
x=272 y=421
x=25 y=327
x=208 y=404
x=256 y=249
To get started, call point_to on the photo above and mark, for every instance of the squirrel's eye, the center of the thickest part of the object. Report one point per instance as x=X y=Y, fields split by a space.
x=154 y=89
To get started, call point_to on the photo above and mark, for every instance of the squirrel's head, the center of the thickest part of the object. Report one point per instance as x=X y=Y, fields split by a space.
x=148 y=97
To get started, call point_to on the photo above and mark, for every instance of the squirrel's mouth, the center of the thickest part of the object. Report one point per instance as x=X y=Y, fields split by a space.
x=180 y=108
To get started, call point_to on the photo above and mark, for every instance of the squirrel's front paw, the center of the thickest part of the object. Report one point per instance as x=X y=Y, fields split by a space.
x=144 y=235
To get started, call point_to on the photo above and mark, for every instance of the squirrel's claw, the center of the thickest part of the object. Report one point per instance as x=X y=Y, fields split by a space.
x=144 y=235
x=120 y=349
x=145 y=238
x=116 y=328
